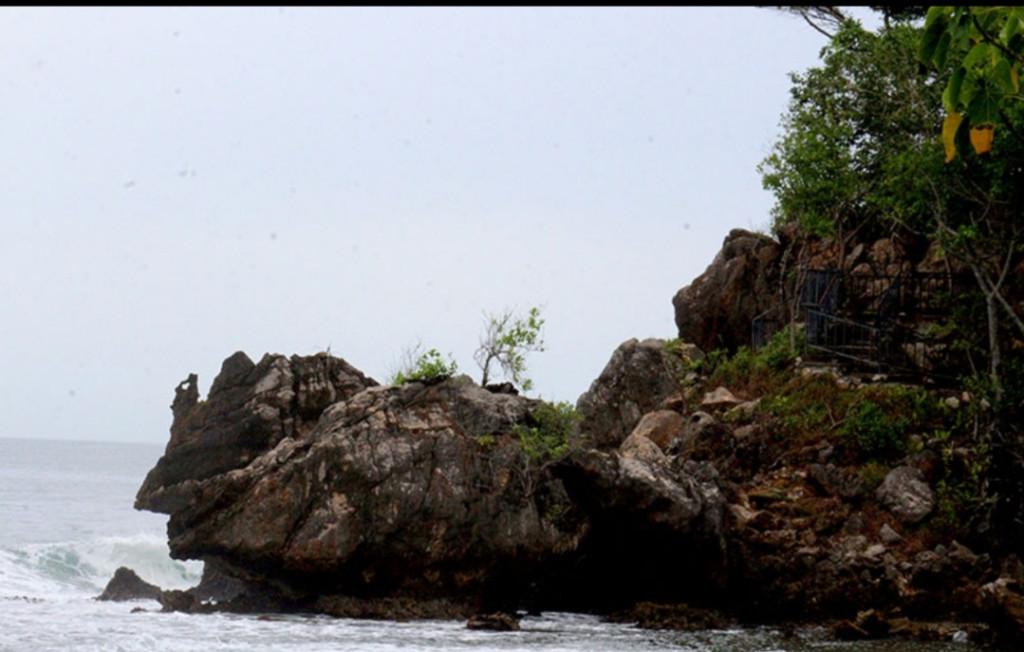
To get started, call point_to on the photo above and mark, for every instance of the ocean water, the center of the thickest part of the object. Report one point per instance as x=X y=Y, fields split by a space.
x=67 y=523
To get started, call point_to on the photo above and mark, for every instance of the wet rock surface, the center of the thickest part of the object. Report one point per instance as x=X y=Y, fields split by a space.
x=127 y=585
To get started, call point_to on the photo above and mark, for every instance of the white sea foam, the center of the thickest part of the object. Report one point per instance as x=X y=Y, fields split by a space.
x=49 y=570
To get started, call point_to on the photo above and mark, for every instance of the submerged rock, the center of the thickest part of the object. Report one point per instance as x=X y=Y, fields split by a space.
x=497 y=622
x=127 y=585
x=680 y=617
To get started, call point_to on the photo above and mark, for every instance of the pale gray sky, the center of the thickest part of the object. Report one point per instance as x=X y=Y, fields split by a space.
x=180 y=184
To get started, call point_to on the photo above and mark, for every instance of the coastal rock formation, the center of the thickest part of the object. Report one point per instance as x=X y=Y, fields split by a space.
x=419 y=501
x=716 y=309
x=639 y=377
x=251 y=407
x=127 y=585
x=420 y=491
x=747 y=276
x=690 y=494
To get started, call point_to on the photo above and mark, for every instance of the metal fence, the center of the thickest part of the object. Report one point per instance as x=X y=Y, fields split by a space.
x=869 y=319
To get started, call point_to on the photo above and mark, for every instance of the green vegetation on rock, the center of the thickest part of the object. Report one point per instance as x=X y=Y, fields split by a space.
x=552 y=434
x=429 y=367
x=506 y=340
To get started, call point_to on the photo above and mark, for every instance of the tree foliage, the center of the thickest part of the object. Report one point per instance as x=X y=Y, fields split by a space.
x=863 y=151
x=506 y=340
x=856 y=136
x=874 y=139
x=982 y=50
x=552 y=433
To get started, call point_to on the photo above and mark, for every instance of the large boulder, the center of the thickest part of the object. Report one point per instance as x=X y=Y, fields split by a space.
x=717 y=308
x=906 y=494
x=657 y=530
x=420 y=499
x=414 y=490
x=638 y=378
x=249 y=410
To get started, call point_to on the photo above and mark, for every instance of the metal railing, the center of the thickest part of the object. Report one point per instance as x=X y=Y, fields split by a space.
x=916 y=293
x=845 y=338
x=868 y=319
x=767 y=324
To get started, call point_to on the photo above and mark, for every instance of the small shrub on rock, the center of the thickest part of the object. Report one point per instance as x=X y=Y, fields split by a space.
x=879 y=435
x=552 y=436
x=428 y=368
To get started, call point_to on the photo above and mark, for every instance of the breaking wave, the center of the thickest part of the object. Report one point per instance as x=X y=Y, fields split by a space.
x=49 y=570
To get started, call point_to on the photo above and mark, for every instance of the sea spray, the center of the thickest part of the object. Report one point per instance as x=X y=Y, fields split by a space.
x=50 y=569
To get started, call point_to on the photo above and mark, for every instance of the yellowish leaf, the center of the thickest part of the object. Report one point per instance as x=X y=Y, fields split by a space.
x=981 y=138
x=949 y=127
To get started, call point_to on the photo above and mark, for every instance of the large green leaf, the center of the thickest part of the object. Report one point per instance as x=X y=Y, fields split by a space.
x=934 y=31
x=951 y=96
x=984 y=106
x=979 y=56
x=1003 y=79
x=988 y=17
x=1012 y=26
x=942 y=50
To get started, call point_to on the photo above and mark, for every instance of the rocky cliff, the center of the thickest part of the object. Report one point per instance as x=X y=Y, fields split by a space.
x=753 y=487
x=419 y=492
x=741 y=282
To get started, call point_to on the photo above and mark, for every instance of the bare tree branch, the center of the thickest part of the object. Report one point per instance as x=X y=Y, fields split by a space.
x=822 y=19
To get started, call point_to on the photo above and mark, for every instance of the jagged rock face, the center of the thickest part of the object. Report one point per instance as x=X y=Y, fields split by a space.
x=417 y=492
x=657 y=528
x=638 y=378
x=250 y=408
x=393 y=492
x=716 y=309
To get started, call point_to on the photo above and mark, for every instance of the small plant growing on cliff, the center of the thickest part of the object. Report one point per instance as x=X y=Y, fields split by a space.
x=878 y=435
x=506 y=340
x=553 y=434
x=765 y=371
x=551 y=437
x=429 y=367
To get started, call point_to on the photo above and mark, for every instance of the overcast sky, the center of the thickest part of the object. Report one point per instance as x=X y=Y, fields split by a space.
x=180 y=184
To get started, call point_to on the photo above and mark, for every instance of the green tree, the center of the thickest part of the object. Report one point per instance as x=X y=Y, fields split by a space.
x=856 y=135
x=862 y=153
x=552 y=433
x=876 y=141
x=506 y=340
x=979 y=211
